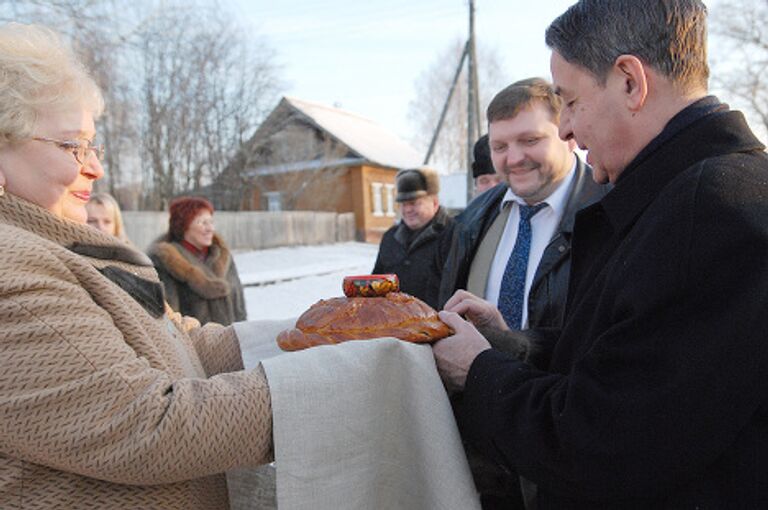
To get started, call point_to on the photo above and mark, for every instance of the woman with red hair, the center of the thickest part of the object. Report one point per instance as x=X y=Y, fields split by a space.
x=196 y=267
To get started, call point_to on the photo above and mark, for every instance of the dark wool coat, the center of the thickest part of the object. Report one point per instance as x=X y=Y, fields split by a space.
x=209 y=291
x=657 y=392
x=546 y=300
x=419 y=265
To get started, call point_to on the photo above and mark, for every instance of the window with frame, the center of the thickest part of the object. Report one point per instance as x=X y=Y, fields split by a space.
x=376 y=202
x=389 y=192
x=274 y=201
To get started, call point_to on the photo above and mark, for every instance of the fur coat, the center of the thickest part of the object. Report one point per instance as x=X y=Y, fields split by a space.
x=105 y=400
x=209 y=291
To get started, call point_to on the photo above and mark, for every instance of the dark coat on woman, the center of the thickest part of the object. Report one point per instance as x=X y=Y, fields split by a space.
x=657 y=392
x=209 y=291
x=417 y=258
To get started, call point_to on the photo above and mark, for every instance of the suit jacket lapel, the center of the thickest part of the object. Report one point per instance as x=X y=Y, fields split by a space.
x=481 y=263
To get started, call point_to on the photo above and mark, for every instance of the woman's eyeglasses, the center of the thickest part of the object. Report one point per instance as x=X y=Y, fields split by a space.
x=81 y=150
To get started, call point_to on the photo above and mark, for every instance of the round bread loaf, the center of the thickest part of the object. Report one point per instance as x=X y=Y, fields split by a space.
x=330 y=321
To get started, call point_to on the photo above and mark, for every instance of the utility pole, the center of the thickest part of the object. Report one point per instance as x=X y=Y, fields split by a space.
x=472 y=101
x=447 y=103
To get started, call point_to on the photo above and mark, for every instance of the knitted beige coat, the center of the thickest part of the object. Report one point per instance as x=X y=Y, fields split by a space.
x=104 y=401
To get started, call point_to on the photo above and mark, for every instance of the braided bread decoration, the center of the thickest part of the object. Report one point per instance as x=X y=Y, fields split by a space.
x=330 y=321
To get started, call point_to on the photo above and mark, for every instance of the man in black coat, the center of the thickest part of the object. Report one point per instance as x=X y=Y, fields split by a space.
x=656 y=394
x=415 y=248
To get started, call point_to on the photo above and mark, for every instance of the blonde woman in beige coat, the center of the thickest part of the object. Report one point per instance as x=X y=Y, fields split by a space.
x=104 y=401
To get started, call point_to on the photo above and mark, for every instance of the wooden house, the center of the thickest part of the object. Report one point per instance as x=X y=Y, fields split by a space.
x=307 y=156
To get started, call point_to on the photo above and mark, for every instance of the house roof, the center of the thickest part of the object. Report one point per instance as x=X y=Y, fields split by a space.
x=369 y=140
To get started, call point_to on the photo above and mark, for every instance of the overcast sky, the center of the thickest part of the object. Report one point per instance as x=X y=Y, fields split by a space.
x=365 y=56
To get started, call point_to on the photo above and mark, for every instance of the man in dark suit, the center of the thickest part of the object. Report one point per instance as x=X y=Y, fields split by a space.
x=539 y=172
x=655 y=395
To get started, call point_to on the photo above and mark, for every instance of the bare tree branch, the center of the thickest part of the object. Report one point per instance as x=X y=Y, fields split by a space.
x=432 y=88
x=185 y=86
x=740 y=57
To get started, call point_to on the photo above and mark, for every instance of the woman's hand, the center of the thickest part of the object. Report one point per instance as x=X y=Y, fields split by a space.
x=479 y=312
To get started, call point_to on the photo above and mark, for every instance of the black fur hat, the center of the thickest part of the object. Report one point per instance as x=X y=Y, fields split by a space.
x=416 y=182
x=482 y=164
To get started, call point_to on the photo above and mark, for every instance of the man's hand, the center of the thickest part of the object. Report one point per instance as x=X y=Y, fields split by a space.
x=455 y=354
x=479 y=312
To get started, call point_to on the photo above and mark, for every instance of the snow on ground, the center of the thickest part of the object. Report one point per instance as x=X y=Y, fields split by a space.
x=281 y=283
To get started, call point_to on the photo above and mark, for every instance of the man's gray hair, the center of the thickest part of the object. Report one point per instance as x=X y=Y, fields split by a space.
x=668 y=35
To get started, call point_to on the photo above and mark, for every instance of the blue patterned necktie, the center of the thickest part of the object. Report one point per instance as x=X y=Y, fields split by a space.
x=512 y=292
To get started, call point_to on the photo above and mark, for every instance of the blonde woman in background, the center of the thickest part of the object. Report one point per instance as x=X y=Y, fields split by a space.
x=105 y=401
x=104 y=214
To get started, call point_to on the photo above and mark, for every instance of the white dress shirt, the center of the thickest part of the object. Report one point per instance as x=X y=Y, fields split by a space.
x=543 y=227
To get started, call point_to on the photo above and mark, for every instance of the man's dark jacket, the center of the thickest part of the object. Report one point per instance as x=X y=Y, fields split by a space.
x=546 y=300
x=657 y=391
x=419 y=264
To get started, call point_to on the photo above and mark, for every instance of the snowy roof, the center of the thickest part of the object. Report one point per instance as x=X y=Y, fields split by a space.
x=365 y=137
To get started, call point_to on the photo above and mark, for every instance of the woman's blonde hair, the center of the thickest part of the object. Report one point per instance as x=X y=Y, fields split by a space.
x=38 y=73
x=111 y=204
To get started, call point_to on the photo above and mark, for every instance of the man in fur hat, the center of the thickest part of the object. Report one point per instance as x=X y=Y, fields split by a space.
x=413 y=249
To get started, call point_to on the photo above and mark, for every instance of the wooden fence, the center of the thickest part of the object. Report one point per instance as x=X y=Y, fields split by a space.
x=253 y=230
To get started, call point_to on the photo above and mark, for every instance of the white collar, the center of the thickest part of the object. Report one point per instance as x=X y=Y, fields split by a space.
x=556 y=200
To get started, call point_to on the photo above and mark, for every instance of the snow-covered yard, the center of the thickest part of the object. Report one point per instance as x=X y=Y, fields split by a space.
x=281 y=283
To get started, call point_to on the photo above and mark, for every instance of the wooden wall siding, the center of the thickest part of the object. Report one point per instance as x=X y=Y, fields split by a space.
x=336 y=190
x=373 y=225
x=358 y=201
x=321 y=190
x=325 y=190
